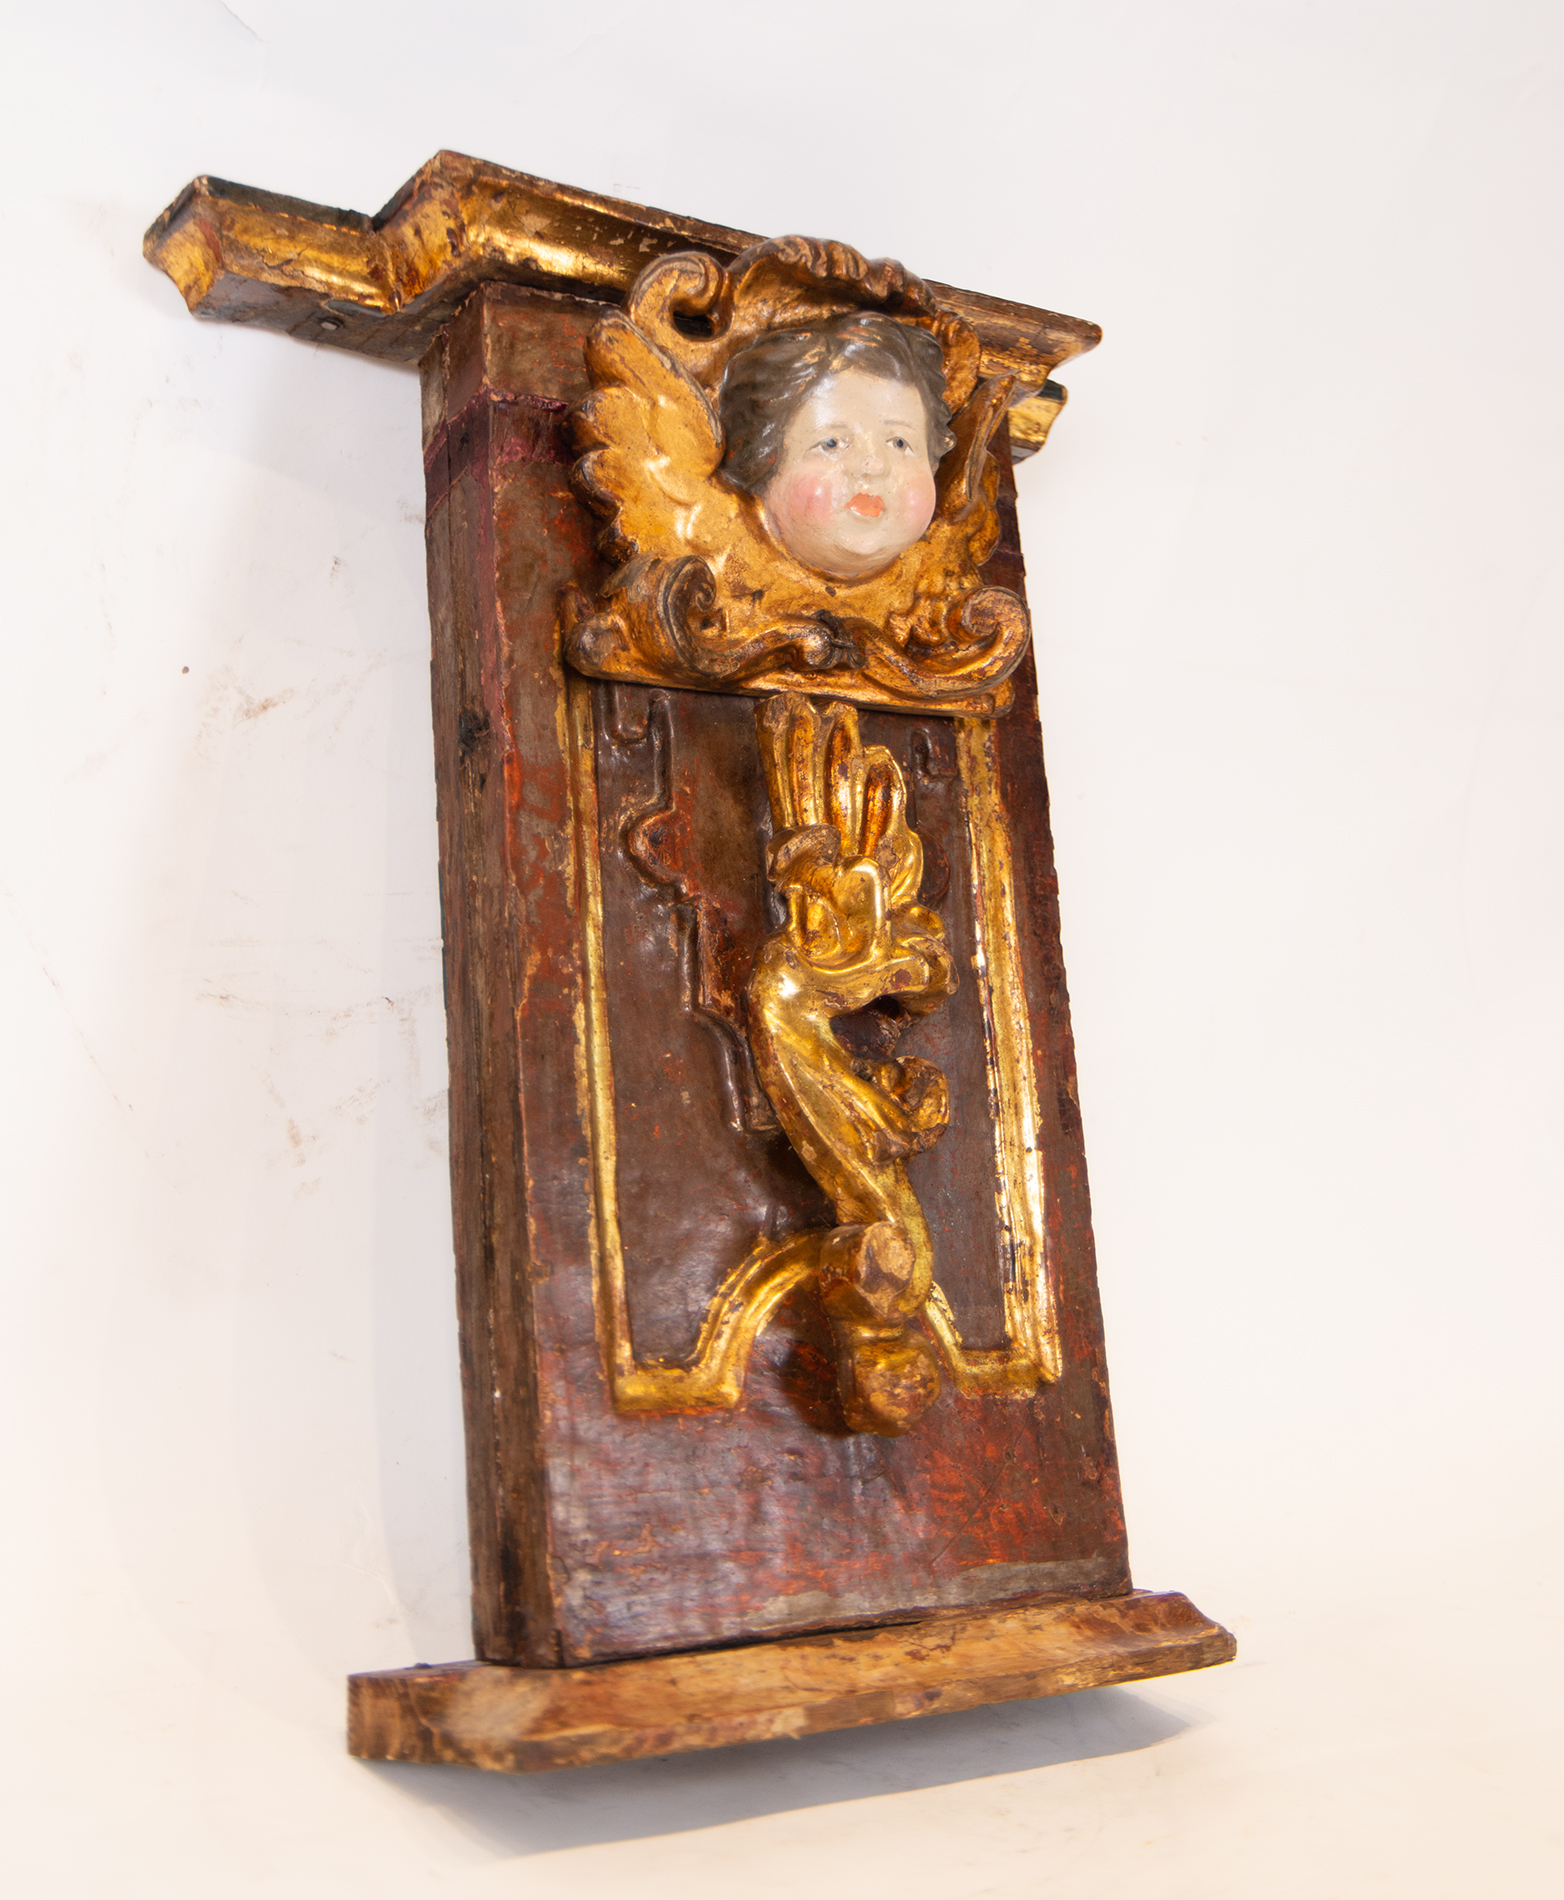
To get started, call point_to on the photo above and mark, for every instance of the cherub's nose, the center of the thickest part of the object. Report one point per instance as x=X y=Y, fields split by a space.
x=870 y=460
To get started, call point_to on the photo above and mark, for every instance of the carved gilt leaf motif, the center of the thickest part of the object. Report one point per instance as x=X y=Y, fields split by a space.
x=850 y=868
x=702 y=594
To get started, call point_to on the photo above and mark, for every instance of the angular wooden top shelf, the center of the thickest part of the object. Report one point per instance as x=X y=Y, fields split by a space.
x=387 y=285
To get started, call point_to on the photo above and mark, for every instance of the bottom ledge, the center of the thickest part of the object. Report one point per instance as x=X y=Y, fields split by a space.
x=493 y=1715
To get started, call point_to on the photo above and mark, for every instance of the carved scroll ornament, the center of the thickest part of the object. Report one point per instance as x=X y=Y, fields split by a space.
x=849 y=866
x=705 y=594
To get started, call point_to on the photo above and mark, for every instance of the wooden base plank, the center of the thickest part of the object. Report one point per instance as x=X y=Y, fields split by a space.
x=519 y=1721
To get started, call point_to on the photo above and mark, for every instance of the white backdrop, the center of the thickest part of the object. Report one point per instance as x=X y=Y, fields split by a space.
x=1294 y=564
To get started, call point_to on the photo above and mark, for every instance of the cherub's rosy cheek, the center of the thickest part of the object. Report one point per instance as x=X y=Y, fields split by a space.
x=811 y=497
x=917 y=501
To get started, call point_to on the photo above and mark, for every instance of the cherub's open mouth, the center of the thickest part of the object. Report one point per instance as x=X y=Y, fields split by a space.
x=869 y=506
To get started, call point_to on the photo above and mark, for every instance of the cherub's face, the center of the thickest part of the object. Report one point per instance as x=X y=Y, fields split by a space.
x=855 y=487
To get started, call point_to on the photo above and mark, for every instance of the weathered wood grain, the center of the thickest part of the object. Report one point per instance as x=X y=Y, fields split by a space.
x=504 y=534
x=522 y=1720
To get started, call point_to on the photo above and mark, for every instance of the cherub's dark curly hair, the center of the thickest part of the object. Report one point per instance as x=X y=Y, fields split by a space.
x=766 y=382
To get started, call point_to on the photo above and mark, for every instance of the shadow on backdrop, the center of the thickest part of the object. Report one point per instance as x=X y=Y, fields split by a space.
x=675 y=1794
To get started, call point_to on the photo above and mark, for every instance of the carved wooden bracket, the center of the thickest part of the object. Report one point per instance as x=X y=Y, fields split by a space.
x=692 y=1340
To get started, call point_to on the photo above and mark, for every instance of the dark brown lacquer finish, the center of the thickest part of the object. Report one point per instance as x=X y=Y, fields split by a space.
x=602 y=1532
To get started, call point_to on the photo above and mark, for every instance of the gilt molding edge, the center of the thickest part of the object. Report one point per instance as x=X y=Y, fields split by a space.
x=385 y=285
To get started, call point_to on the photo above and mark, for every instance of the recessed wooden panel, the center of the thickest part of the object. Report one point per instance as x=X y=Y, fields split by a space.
x=683 y=821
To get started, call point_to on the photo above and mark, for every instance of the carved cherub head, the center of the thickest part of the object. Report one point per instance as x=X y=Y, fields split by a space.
x=838 y=429
x=762 y=439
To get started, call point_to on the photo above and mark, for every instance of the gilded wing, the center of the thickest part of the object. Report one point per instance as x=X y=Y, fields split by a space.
x=680 y=535
x=654 y=449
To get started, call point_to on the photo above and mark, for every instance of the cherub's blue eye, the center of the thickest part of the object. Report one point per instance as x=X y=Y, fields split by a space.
x=900 y=442
x=831 y=442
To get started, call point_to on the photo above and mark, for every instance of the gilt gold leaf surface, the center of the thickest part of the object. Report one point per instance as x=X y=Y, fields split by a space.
x=386 y=285
x=850 y=868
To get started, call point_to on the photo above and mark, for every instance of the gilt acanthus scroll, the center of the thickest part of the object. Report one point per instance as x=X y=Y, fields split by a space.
x=702 y=594
x=850 y=868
